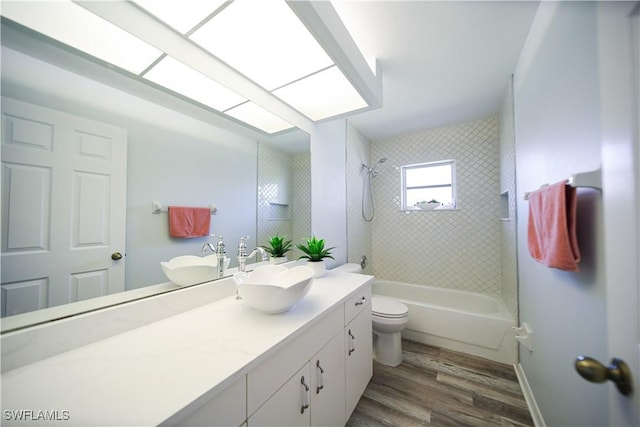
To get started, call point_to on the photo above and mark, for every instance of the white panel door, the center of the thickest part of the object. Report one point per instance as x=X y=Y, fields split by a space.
x=63 y=207
x=619 y=48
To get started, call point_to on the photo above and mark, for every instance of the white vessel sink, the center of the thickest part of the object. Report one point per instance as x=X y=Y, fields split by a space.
x=273 y=288
x=191 y=269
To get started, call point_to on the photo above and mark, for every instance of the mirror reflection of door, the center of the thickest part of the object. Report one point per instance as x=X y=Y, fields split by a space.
x=63 y=208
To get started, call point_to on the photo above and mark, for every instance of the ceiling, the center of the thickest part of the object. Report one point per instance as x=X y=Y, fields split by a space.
x=443 y=62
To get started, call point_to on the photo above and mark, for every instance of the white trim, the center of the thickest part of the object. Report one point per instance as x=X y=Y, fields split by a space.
x=536 y=415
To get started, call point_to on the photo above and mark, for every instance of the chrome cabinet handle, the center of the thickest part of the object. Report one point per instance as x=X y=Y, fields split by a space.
x=320 y=377
x=352 y=347
x=305 y=395
x=362 y=301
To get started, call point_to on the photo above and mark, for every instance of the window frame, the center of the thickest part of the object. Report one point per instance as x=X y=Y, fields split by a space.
x=453 y=185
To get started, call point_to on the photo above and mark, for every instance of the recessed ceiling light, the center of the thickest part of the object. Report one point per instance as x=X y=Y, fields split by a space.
x=257 y=51
x=258 y=117
x=77 y=27
x=322 y=95
x=186 y=81
x=264 y=40
x=182 y=15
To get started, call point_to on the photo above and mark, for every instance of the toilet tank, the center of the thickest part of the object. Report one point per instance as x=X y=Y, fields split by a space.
x=349 y=268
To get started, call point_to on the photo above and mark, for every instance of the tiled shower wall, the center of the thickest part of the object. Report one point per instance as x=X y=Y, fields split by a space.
x=358 y=230
x=284 y=203
x=508 y=244
x=452 y=249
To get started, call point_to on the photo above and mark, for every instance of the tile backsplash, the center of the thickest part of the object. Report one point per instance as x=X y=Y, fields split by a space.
x=284 y=203
x=457 y=249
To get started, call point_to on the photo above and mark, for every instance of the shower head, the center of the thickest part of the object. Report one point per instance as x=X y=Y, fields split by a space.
x=371 y=170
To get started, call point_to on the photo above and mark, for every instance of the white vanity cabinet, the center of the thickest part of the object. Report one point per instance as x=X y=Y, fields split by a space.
x=358 y=347
x=314 y=392
x=313 y=396
x=325 y=390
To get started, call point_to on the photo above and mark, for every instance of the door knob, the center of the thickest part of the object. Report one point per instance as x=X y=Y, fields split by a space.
x=116 y=256
x=618 y=372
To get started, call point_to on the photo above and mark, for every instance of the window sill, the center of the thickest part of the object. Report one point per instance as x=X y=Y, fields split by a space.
x=409 y=210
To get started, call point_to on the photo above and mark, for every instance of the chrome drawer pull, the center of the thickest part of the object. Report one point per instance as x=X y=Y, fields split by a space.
x=352 y=338
x=320 y=377
x=362 y=301
x=305 y=396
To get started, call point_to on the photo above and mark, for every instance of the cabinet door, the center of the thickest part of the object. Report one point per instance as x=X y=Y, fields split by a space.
x=290 y=405
x=328 y=384
x=268 y=377
x=359 y=365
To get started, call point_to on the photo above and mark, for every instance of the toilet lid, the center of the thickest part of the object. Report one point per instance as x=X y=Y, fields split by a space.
x=385 y=307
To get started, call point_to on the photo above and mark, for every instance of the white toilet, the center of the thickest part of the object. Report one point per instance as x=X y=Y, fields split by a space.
x=389 y=318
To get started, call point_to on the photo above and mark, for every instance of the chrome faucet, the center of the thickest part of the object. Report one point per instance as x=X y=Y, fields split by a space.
x=242 y=253
x=220 y=252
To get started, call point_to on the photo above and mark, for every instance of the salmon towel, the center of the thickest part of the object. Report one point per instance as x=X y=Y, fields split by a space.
x=552 y=226
x=189 y=222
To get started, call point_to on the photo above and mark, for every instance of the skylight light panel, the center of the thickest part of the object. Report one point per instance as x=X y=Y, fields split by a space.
x=81 y=29
x=322 y=95
x=258 y=117
x=182 y=15
x=264 y=40
x=186 y=81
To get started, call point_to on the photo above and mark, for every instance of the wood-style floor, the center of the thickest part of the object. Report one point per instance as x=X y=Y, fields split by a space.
x=439 y=387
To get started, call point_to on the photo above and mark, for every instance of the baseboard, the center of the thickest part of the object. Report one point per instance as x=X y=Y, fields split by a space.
x=538 y=421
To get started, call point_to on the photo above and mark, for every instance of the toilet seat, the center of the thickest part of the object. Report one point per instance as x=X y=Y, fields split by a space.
x=388 y=308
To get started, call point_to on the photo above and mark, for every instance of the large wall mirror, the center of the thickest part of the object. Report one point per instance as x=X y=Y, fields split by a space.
x=260 y=185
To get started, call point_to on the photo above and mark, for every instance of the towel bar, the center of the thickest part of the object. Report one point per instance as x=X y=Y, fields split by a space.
x=157 y=207
x=592 y=179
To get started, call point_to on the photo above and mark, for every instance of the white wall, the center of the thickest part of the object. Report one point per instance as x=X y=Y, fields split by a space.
x=328 y=187
x=176 y=168
x=557 y=121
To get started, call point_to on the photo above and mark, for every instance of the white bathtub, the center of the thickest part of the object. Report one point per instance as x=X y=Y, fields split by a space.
x=462 y=321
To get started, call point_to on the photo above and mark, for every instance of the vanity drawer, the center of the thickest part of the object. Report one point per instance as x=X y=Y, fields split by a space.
x=354 y=304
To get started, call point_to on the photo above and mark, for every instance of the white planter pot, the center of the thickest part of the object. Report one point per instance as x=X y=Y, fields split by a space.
x=278 y=260
x=318 y=268
x=428 y=206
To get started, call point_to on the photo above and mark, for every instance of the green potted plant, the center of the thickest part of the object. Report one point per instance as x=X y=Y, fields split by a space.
x=278 y=248
x=315 y=253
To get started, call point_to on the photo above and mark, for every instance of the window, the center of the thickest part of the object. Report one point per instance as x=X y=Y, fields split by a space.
x=425 y=182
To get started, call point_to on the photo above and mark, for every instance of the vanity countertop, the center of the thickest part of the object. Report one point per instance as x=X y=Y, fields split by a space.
x=146 y=375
